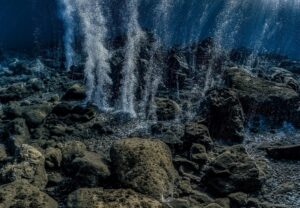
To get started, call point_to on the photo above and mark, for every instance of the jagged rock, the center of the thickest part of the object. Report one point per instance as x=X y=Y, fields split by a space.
x=63 y=109
x=29 y=166
x=177 y=70
x=276 y=101
x=291 y=152
x=58 y=130
x=103 y=128
x=232 y=171
x=284 y=76
x=18 y=134
x=35 y=115
x=224 y=114
x=19 y=68
x=71 y=113
x=144 y=165
x=54 y=179
x=14 y=92
x=166 y=109
x=195 y=132
x=170 y=134
x=22 y=194
x=198 y=154
x=97 y=198
x=186 y=167
x=53 y=157
x=76 y=92
x=72 y=149
x=238 y=199
x=90 y=170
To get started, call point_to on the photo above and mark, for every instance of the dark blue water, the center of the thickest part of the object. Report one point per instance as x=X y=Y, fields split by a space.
x=265 y=25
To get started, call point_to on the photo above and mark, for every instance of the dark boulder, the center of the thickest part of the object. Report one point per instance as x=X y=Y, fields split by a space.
x=224 y=115
x=196 y=132
x=232 y=171
x=291 y=152
x=76 y=92
x=90 y=170
x=275 y=101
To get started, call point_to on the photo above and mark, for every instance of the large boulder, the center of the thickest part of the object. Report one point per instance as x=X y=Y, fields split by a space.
x=22 y=194
x=224 y=114
x=29 y=166
x=232 y=171
x=101 y=198
x=275 y=101
x=145 y=165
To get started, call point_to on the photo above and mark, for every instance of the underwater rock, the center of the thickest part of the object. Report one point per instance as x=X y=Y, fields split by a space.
x=20 y=68
x=76 y=92
x=224 y=115
x=36 y=114
x=90 y=170
x=14 y=92
x=198 y=154
x=29 y=167
x=72 y=149
x=22 y=194
x=17 y=134
x=166 y=109
x=169 y=133
x=71 y=113
x=291 y=152
x=232 y=171
x=144 y=165
x=284 y=76
x=53 y=158
x=126 y=198
x=276 y=101
x=177 y=70
x=196 y=132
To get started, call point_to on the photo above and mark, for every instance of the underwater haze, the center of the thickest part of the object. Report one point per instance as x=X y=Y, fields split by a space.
x=265 y=25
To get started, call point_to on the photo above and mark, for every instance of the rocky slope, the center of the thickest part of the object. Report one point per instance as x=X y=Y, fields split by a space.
x=58 y=151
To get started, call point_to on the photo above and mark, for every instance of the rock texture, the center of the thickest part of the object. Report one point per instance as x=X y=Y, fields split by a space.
x=276 y=101
x=101 y=198
x=22 y=194
x=224 y=114
x=144 y=165
x=233 y=171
